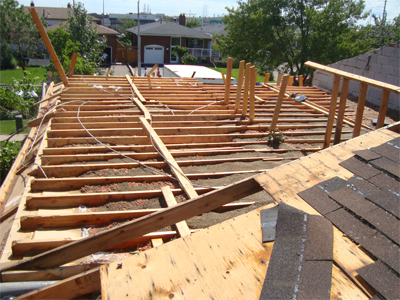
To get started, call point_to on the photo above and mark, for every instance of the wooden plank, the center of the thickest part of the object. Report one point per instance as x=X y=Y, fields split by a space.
x=70 y=288
x=362 y=79
x=37 y=246
x=133 y=229
x=383 y=108
x=332 y=109
x=290 y=82
x=152 y=70
x=228 y=80
x=156 y=242
x=30 y=222
x=45 y=275
x=72 y=65
x=181 y=227
x=48 y=45
x=342 y=108
x=42 y=184
x=246 y=90
x=360 y=109
x=279 y=103
x=300 y=80
x=139 y=104
x=226 y=261
x=253 y=78
x=278 y=81
x=239 y=86
x=176 y=170
x=266 y=78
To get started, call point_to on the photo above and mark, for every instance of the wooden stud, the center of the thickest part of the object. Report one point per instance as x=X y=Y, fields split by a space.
x=278 y=81
x=223 y=78
x=366 y=80
x=360 y=109
x=133 y=229
x=300 y=80
x=181 y=227
x=246 y=90
x=266 y=79
x=279 y=103
x=332 y=111
x=239 y=86
x=253 y=78
x=383 y=108
x=70 y=288
x=342 y=108
x=72 y=65
x=228 y=80
x=290 y=82
x=138 y=103
x=176 y=170
x=152 y=70
x=157 y=242
x=48 y=45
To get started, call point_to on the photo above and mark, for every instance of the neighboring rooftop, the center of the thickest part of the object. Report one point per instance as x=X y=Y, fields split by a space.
x=168 y=29
x=213 y=29
x=101 y=30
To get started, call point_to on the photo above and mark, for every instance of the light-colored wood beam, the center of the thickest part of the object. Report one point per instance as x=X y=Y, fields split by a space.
x=342 y=109
x=239 y=86
x=72 y=65
x=332 y=110
x=48 y=45
x=279 y=103
x=246 y=90
x=228 y=81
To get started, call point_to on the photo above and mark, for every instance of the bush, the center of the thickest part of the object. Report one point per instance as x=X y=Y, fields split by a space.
x=189 y=59
x=7 y=60
x=8 y=153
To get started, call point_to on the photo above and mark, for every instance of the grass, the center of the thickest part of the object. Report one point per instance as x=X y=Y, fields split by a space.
x=9 y=126
x=7 y=76
x=235 y=73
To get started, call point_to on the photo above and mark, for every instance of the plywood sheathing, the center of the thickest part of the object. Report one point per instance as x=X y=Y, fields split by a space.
x=186 y=123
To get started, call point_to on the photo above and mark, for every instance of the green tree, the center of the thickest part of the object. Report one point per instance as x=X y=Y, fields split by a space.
x=180 y=52
x=82 y=31
x=382 y=32
x=270 y=33
x=65 y=47
x=18 y=34
x=125 y=37
x=192 y=23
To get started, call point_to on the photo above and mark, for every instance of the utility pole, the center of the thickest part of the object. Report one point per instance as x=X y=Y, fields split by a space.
x=139 y=52
x=102 y=21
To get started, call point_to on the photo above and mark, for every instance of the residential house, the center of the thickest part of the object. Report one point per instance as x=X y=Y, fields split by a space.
x=159 y=38
x=55 y=15
x=212 y=30
x=110 y=34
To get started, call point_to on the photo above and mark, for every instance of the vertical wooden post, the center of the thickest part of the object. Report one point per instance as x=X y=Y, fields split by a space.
x=300 y=80
x=279 y=103
x=253 y=80
x=223 y=77
x=72 y=65
x=278 y=81
x=383 y=108
x=342 y=108
x=332 y=110
x=239 y=86
x=48 y=45
x=246 y=90
x=290 y=82
x=360 y=109
x=228 y=81
x=266 y=79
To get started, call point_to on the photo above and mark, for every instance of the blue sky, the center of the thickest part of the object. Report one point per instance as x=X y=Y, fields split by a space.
x=175 y=7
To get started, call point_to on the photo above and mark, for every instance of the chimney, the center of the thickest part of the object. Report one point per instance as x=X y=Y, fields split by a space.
x=32 y=4
x=182 y=19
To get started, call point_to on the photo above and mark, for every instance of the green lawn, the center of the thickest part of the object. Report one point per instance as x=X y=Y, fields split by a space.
x=235 y=73
x=9 y=126
x=7 y=76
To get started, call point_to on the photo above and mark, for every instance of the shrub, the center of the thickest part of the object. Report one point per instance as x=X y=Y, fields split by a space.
x=189 y=59
x=8 y=153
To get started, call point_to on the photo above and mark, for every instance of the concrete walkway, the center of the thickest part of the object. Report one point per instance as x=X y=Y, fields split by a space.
x=15 y=138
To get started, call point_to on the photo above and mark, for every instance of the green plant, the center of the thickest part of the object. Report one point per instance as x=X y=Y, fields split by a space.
x=180 y=52
x=21 y=96
x=189 y=59
x=8 y=153
x=276 y=137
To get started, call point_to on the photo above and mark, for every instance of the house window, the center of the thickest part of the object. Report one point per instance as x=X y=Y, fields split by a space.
x=195 y=43
x=175 y=41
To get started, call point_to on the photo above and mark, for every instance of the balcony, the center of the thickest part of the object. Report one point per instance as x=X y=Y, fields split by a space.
x=202 y=52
